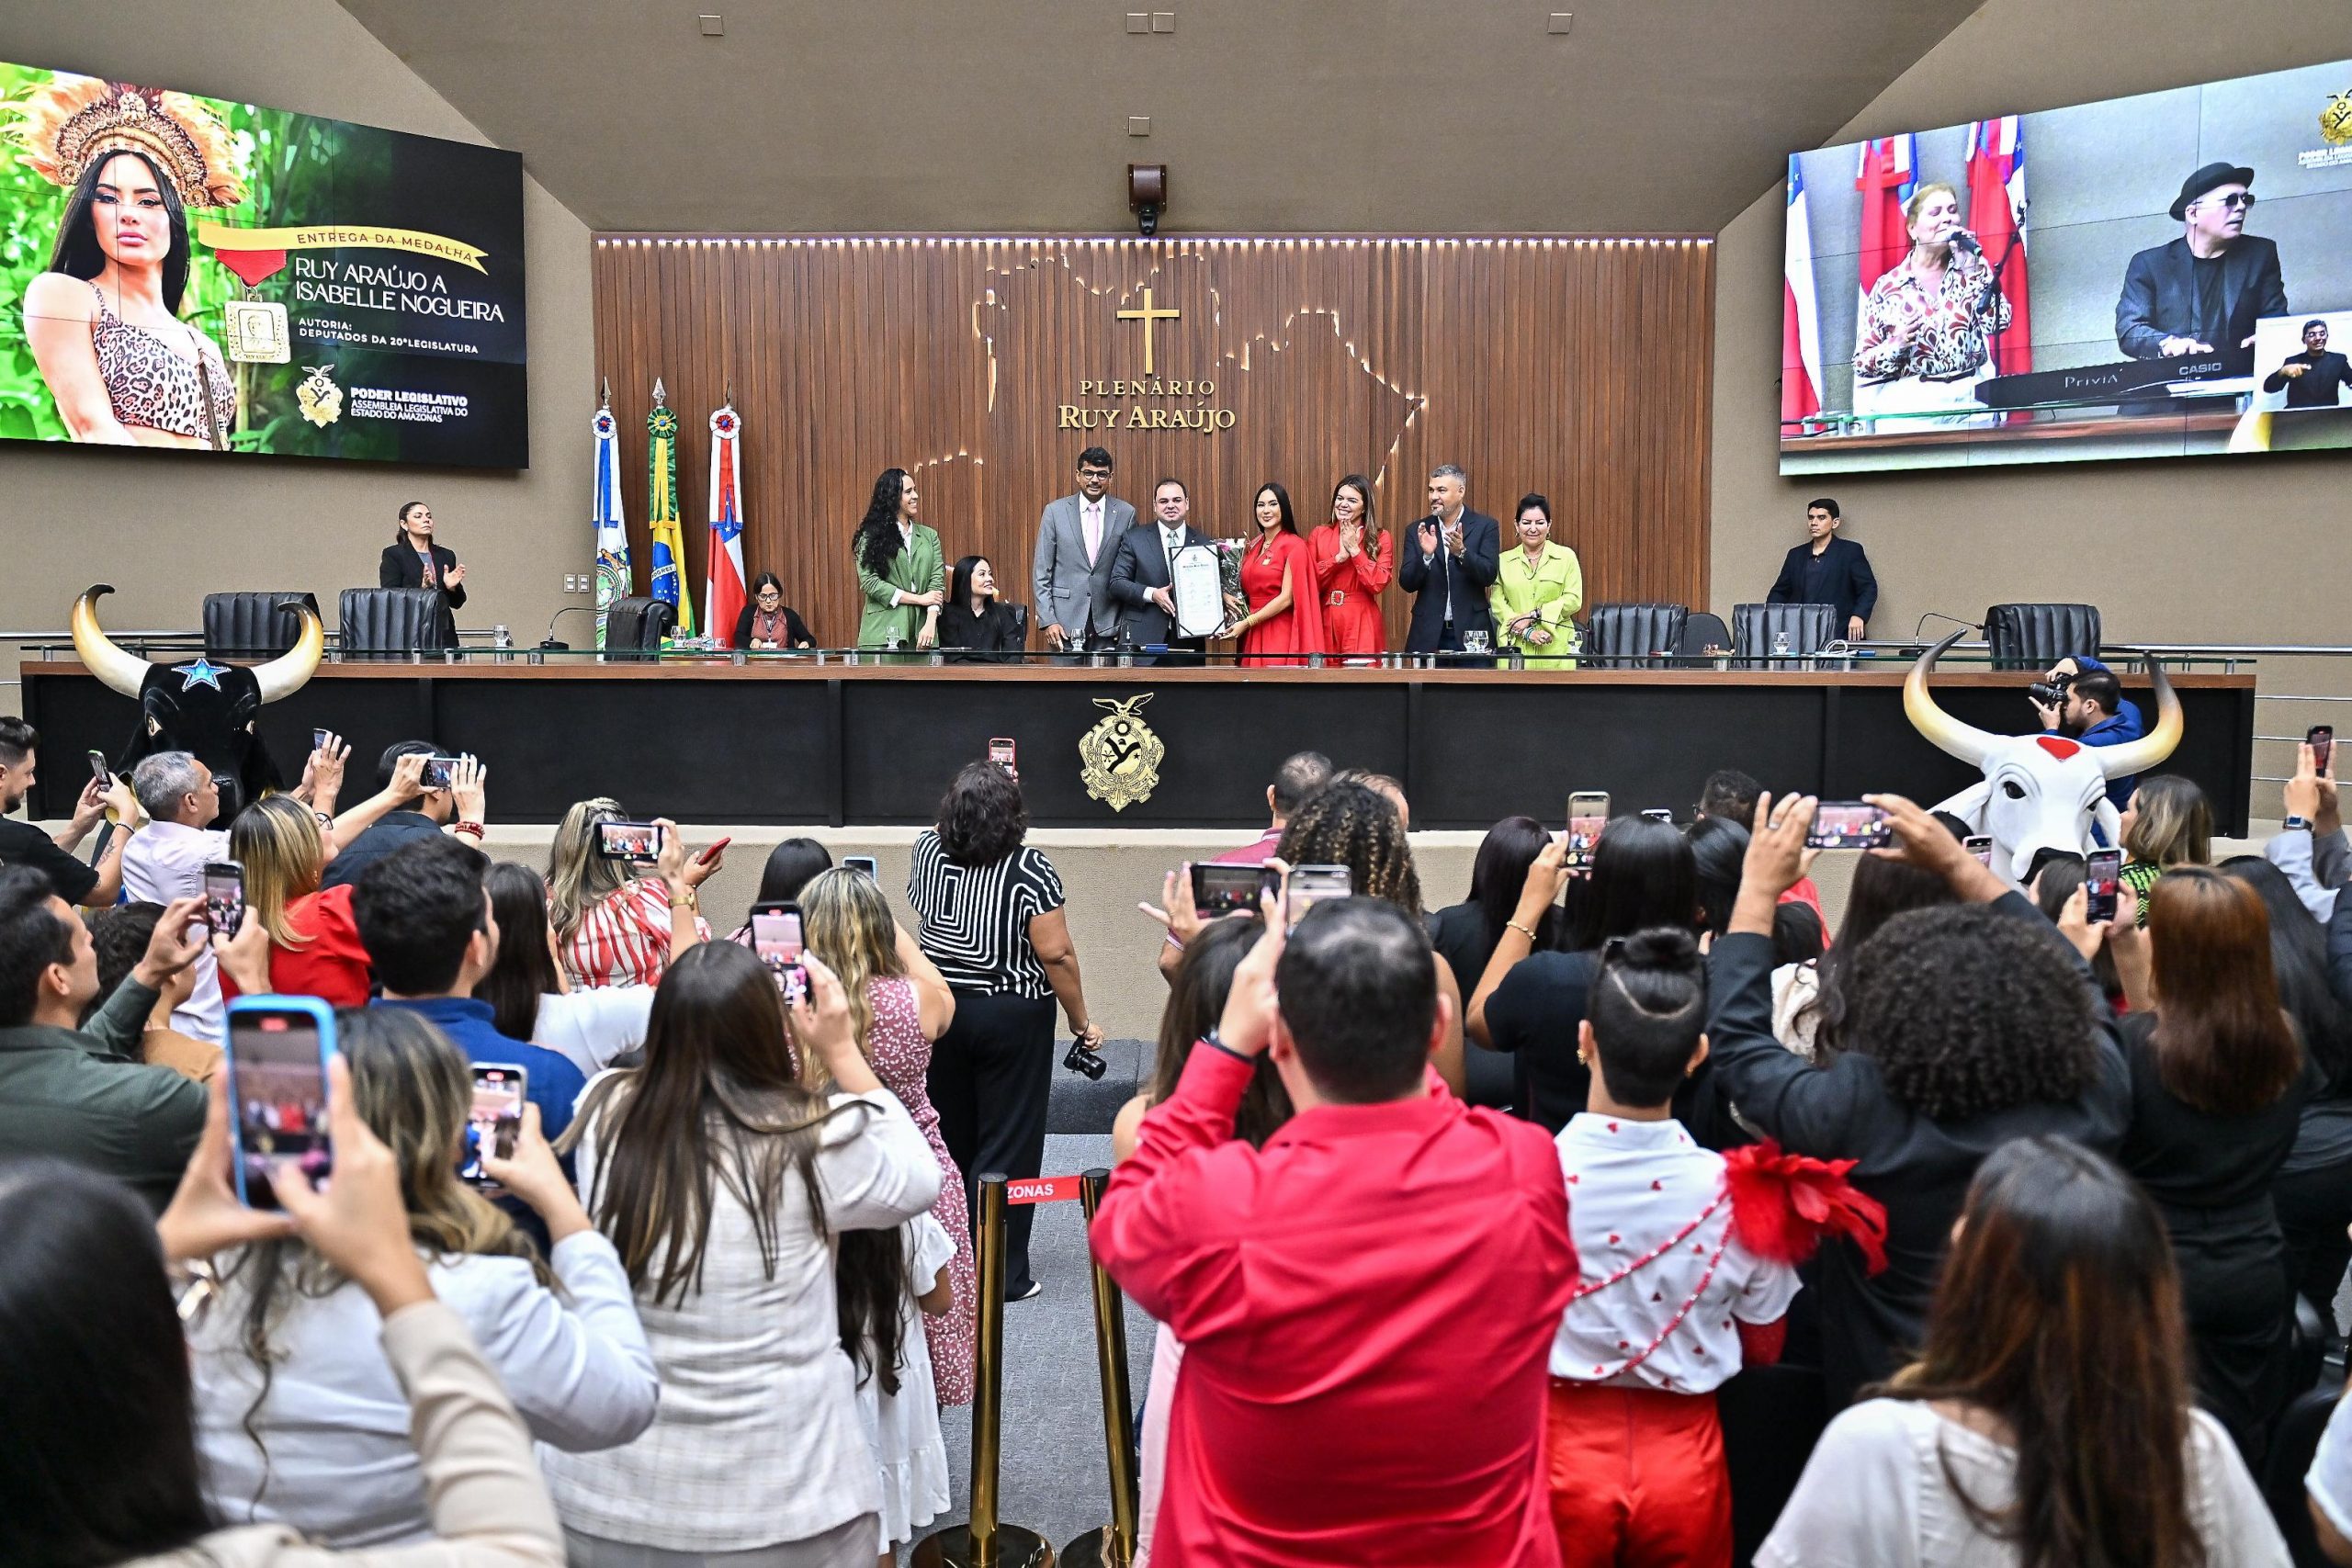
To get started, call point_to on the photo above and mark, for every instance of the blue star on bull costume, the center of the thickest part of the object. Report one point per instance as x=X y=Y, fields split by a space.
x=205 y=709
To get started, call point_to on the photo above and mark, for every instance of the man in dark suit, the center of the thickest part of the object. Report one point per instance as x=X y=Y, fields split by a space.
x=1451 y=558
x=2204 y=291
x=2313 y=378
x=1140 y=578
x=1826 y=570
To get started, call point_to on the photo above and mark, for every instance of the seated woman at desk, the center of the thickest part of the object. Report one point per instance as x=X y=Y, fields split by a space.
x=768 y=625
x=974 y=621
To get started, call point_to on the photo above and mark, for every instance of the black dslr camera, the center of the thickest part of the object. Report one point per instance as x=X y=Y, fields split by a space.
x=2052 y=692
x=1083 y=1059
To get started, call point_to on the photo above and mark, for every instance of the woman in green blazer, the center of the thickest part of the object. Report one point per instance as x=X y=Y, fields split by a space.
x=901 y=571
x=1537 y=591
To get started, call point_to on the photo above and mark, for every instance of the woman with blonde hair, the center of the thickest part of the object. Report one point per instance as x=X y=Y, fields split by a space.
x=2167 y=823
x=1925 y=338
x=314 y=948
x=615 y=920
x=298 y=1423
x=901 y=1003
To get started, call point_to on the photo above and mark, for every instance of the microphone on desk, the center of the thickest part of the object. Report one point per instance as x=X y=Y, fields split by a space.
x=1918 y=633
x=550 y=644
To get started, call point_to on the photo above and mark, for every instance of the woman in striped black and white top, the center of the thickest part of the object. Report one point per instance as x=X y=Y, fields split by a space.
x=989 y=909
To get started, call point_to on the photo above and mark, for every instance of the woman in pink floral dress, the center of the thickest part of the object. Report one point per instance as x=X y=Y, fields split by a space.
x=901 y=1004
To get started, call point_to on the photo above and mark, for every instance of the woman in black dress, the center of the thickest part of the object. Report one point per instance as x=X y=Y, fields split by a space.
x=1464 y=935
x=414 y=560
x=973 y=620
x=2218 y=1079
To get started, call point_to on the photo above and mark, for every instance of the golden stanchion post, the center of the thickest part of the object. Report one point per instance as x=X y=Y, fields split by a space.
x=985 y=1542
x=1112 y=1545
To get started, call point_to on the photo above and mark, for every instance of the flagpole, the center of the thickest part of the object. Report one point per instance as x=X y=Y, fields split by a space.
x=614 y=577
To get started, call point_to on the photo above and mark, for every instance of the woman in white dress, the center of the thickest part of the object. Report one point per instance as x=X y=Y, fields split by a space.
x=532 y=999
x=2049 y=1420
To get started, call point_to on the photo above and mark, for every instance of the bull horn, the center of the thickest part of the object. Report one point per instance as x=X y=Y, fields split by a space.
x=283 y=675
x=121 y=671
x=2138 y=756
x=1946 y=733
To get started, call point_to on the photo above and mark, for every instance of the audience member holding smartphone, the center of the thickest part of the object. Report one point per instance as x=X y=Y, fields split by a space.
x=1466 y=935
x=2167 y=822
x=76 y=1088
x=2310 y=846
x=530 y=996
x=166 y=861
x=1530 y=1002
x=315 y=947
x=297 y=1424
x=705 y=1166
x=615 y=918
x=121 y=937
x=104 y=1470
x=2218 y=1079
x=450 y=797
x=989 y=912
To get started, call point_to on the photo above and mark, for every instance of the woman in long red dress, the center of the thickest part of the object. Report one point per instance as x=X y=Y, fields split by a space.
x=1284 y=624
x=1353 y=566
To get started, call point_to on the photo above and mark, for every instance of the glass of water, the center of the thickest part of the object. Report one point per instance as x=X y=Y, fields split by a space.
x=1474 y=642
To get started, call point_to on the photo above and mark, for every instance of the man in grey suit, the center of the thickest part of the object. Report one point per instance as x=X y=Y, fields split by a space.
x=1077 y=537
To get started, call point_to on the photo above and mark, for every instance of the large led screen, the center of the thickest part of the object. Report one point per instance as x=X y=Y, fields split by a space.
x=2159 y=276
x=181 y=271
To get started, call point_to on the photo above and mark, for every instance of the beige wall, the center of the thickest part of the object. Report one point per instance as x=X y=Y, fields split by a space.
x=2195 y=549
x=164 y=528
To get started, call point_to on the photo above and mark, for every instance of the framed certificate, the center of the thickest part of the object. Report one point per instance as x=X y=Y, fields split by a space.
x=1198 y=588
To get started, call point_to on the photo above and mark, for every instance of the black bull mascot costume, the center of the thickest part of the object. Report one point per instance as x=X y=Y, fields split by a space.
x=205 y=709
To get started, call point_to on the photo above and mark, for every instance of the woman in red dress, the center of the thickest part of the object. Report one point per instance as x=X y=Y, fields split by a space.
x=1353 y=566
x=1283 y=624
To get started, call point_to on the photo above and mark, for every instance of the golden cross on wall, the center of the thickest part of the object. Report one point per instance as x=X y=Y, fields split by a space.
x=1146 y=316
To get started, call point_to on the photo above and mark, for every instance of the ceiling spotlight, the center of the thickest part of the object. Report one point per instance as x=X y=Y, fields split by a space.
x=1146 y=195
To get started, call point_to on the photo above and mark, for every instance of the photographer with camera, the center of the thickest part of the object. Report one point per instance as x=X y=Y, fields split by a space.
x=2080 y=698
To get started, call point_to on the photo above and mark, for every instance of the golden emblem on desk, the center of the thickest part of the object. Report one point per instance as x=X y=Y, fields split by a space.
x=1121 y=755
x=2335 y=119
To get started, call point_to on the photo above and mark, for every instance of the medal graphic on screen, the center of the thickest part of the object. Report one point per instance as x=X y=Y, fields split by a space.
x=319 y=398
x=254 y=327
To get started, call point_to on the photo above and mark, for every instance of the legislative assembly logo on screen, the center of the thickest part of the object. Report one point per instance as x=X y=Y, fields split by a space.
x=2050 y=287
x=196 y=273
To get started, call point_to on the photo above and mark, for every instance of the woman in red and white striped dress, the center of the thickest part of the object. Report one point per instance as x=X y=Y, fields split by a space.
x=611 y=918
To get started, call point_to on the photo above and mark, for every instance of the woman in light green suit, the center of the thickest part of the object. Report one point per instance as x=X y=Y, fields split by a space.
x=901 y=571
x=1538 y=589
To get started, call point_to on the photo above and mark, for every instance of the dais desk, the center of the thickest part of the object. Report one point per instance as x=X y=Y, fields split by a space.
x=705 y=740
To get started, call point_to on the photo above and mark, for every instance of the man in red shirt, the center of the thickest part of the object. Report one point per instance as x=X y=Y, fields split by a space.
x=1366 y=1303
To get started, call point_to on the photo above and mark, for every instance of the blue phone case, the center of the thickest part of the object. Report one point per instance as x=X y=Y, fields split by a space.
x=319 y=1014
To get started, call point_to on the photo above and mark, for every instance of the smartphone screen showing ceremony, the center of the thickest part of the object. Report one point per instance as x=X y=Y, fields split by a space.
x=2102 y=884
x=278 y=1086
x=494 y=1119
x=1848 y=825
x=776 y=937
x=224 y=897
x=1979 y=845
x=1310 y=886
x=2321 y=738
x=1000 y=752
x=1220 y=890
x=640 y=842
x=1587 y=819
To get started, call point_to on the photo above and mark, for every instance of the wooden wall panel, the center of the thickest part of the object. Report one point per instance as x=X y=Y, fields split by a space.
x=1578 y=368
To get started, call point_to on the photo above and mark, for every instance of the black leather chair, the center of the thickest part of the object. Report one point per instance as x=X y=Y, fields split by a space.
x=1701 y=632
x=1808 y=627
x=1771 y=1417
x=2035 y=636
x=1629 y=636
x=253 y=625
x=2293 y=1443
x=637 y=625
x=383 y=623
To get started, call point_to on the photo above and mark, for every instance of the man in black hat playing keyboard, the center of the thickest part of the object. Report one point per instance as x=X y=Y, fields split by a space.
x=2202 y=292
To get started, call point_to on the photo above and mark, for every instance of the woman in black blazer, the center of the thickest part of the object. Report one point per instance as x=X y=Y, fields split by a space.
x=973 y=620
x=405 y=566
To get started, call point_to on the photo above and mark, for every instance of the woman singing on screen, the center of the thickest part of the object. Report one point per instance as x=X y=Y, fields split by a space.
x=1926 y=335
x=1283 y=624
x=1353 y=566
x=103 y=322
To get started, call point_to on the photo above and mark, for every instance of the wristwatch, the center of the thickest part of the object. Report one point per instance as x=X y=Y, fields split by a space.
x=2293 y=822
x=691 y=901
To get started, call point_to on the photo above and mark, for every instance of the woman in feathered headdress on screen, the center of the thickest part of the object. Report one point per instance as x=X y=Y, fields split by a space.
x=104 y=319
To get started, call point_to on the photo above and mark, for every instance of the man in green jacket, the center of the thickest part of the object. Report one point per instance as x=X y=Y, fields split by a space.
x=82 y=1094
x=901 y=570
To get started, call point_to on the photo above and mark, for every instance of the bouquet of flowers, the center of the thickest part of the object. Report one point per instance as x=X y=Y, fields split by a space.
x=1229 y=575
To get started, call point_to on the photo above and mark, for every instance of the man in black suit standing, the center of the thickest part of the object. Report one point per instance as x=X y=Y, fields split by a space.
x=2313 y=378
x=1451 y=558
x=2202 y=292
x=1140 y=578
x=1826 y=570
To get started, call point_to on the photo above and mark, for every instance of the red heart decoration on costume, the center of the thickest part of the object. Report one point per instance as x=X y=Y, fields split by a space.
x=1656 y=1187
x=1612 y=1126
x=1572 y=1178
x=1612 y=1239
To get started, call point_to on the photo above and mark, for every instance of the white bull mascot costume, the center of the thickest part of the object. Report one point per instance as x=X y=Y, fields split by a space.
x=2041 y=792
